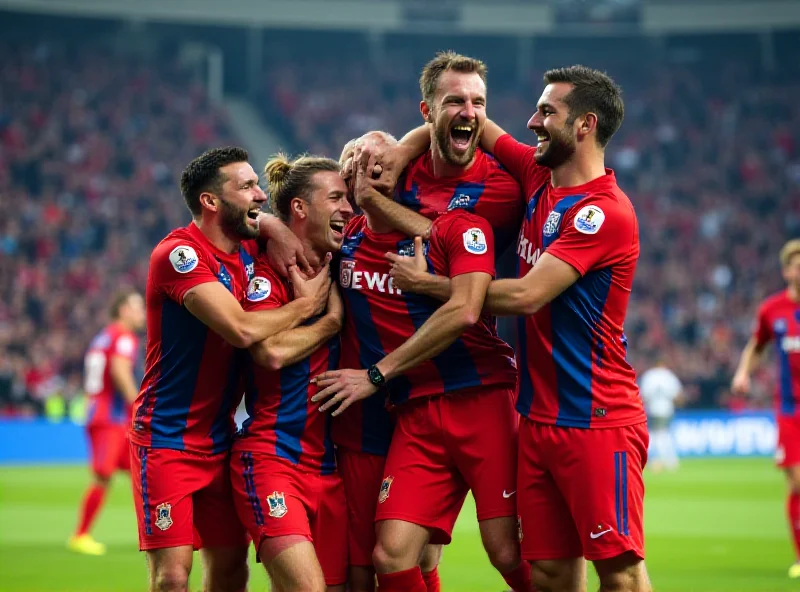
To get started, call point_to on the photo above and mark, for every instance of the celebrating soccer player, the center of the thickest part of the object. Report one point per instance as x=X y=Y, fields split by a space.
x=110 y=383
x=183 y=416
x=286 y=487
x=443 y=365
x=779 y=321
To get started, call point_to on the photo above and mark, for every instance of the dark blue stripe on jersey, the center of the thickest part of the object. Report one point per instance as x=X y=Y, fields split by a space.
x=250 y=394
x=148 y=519
x=574 y=317
x=533 y=202
x=247 y=263
x=525 y=397
x=376 y=428
x=183 y=341
x=408 y=198
x=617 y=485
x=455 y=365
x=561 y=208
x=224 y=276
x=250 y=487
x=625 y=493
x=292 y=410
x=221 y=429
x=787 y=398
x=466 y=196
x=329 y=456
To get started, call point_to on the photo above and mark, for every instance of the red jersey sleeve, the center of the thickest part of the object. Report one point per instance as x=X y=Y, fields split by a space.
x=516 y=157
x=596 y=232
x=177 y=266
x=267 y=289
x=125 y=345
x=468 y=242
x=762 y=332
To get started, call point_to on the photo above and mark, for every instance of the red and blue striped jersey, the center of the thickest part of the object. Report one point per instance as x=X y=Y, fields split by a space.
x=573 y=352
x=107 y=406
x=485 y=189
x=779 y=321
x=282 y=420
x=192 y=382
x=379 y=318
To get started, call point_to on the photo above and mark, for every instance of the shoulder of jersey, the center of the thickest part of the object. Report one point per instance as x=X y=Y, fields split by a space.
x=182 y=250
x=355 y=224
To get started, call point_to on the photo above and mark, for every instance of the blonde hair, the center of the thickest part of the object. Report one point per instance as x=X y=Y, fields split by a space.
x=287 y=179
x=444 y=61
x=789 y=250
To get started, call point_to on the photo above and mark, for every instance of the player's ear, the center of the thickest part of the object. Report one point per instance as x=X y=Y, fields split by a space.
x=209 y=201
x=587 y=124
x=426 y=111
x=298 y=207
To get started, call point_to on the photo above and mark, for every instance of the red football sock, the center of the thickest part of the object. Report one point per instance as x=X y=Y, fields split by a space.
x=409 y=580
x=431 y=579
x=520 y=578
x=92 y=502
x=793 y=511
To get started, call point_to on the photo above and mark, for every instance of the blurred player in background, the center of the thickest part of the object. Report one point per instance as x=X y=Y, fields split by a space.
x=111 y=384
x=453 y=175
x=286 y=486
x=778 y=320
x=183 y=416
x=660 y=389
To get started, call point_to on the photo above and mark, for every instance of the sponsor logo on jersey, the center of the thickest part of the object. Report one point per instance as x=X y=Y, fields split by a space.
x=790 y=344
x=527 y=251
x=475 y=241
x=383 y=494
x=164 y=516
x=551 y=226
x=352 y=279
x=599 y=531
x=183 y=259
x=780 y=325
x=277 y=504
x=259 y=289
x=459 y=202
x=589 y=219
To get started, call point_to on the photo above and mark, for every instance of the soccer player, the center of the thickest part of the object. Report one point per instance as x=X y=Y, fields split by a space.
x=455 y=174
x=183 y=415
x=778 y=320
x=110 y=383
x=583 y=436
x=286 y=487
x=660 y=389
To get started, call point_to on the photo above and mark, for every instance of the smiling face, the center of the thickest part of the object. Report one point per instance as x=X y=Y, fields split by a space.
x=241 y=200
x=326 y=212
x=553 y=128
x=458 y=115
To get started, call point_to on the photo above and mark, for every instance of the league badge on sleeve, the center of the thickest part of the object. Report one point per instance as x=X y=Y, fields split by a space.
x=183 y=259
x=383 y=495
x=277 y=504
x=259 y=289
x=164 y=516
x=346 y=267
x=475 y=241
x=589 y=219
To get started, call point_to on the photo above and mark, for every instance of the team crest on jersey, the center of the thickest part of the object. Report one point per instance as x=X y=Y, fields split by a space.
x=551 y=226
x=459 y=202
x=589 y=219
x=259 y=289
x=475 y=241
x=383 y=495
x=164 y=516
x=780 y=326
x=346 y=267
x=277 y=504
x=183 y=259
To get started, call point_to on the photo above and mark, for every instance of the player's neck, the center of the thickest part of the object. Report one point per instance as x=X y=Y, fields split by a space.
x=217 y=237
x=793 y=292
x=442 y=168
x=376 y=225
x=579 y=170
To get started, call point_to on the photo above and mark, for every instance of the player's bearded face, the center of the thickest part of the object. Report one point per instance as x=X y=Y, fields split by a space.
x=556 y=145
x=456 y=137
x=235 y=220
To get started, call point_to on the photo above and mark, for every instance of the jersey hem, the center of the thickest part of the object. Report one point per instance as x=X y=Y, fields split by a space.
x=581 y=423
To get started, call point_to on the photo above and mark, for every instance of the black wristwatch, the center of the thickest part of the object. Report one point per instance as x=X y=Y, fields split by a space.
x=375 y=376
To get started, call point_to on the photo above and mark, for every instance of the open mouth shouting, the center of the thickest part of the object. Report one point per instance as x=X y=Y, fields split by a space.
x=252 y=216
x=337 y=227
x=461 y=136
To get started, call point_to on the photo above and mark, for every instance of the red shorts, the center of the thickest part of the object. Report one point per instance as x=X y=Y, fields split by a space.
x=276 y=498
x=787 y=454
x=362 y=474
x=443 y=447
x=581 y=491
x=109 y=449
x=184 y=498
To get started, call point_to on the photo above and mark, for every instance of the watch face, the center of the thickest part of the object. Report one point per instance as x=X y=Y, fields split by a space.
x=375 y=376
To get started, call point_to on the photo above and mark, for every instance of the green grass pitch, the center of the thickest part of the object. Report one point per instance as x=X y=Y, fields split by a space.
x=715 y=525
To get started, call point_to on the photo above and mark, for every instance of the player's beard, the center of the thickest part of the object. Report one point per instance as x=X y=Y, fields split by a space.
x=443 y=143
x=233 y=220
x=560 y=148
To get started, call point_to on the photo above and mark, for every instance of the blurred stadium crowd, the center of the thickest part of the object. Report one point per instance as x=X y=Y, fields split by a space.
x=91 y=146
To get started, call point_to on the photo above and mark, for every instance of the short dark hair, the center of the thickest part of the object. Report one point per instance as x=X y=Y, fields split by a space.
x=289 y=178
x=443 y=62
x=202 y=174
x=119 y=300
x=593 y=91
